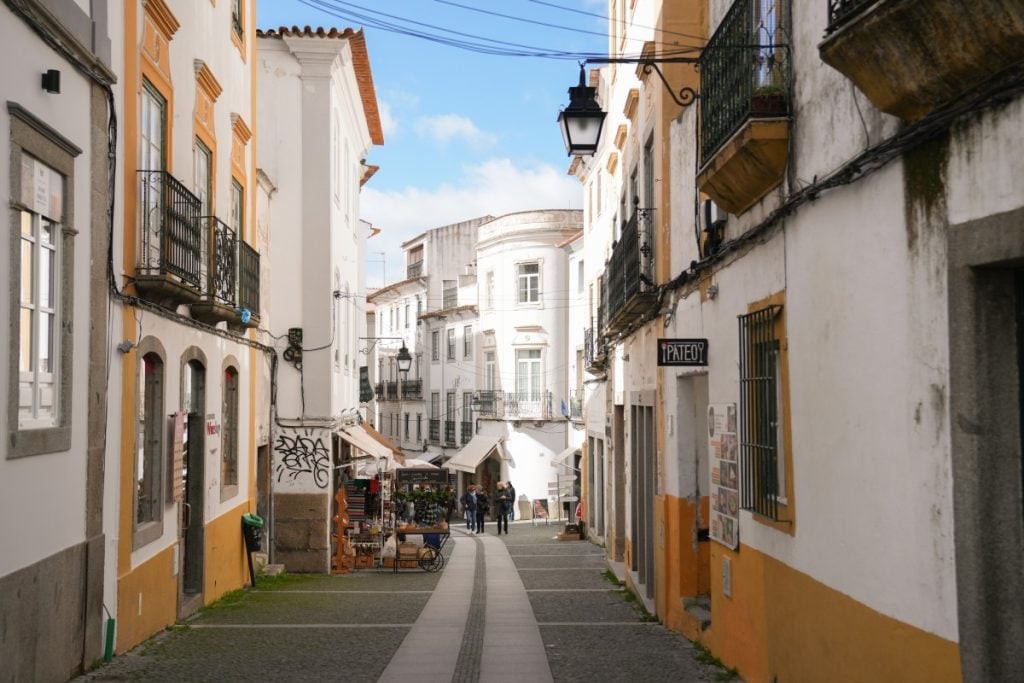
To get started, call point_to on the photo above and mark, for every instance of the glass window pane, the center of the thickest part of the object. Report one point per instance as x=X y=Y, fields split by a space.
x=46 y=342
x=26 y=223
x=25 y=330
x=27 y=273
x=46 y=232
x=46 y=259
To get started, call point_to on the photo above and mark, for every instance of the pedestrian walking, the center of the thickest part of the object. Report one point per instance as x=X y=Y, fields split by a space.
x=483 y=506
x=469 y=507
x=512 y=498
x=502 y=505
x=451 y=503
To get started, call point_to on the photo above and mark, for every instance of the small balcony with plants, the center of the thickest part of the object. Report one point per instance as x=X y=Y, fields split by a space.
x=910 y=56
x=169 y=265
x=630 y=290
x=745 y=104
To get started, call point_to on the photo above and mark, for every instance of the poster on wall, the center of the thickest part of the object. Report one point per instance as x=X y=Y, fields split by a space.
x=723 y=449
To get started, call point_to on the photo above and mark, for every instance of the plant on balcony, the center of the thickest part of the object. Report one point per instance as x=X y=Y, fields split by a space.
x=768 y=100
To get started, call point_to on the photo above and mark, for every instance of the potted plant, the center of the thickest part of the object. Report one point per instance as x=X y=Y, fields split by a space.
x=769 y=100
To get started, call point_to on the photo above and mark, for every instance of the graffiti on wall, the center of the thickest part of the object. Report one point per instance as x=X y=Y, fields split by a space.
x=302 y=454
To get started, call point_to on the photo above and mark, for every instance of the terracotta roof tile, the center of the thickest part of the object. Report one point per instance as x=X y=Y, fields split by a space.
x=360 y=64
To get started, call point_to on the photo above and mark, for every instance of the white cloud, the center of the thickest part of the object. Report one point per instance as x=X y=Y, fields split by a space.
x=495 y=187
x=445 y=127
x=387 y=120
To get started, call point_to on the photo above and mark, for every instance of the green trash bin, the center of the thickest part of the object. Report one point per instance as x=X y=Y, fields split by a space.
x=252 y=530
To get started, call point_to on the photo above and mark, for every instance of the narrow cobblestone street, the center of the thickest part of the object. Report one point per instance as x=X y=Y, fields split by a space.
x=522 y=607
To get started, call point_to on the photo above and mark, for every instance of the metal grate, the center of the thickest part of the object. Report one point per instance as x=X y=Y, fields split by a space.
x=467 y=432
x=759 y=412
x=744 y=71
x=630 y=270
x=170 y=238
x=414 y=269
x=449 y=432
x=841 y=11
x=412 y=388
x=435 y=431
x=248 y=278
x=221 y=255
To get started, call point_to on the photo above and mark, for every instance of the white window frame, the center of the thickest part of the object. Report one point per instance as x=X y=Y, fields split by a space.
x=39 y=373
x=529 y=384
x=525 y=293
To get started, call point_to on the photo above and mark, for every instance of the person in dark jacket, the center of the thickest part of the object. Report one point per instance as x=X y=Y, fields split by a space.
x=511 y=497
x=502 y=506
x=469 y=507
x=483 y=506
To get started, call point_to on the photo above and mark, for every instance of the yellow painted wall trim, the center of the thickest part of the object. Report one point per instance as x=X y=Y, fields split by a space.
x=162 y=16
x=239 y=129
x=632 y=100
x=613 y=162
x=207 y=81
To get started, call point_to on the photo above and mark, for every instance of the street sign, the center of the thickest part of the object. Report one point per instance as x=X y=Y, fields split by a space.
x=682 y=352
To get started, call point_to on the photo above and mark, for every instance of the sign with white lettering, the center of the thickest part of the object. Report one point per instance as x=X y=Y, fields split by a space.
x=683 y=352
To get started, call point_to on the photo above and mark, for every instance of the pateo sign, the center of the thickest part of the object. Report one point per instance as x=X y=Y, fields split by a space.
x=683 y=352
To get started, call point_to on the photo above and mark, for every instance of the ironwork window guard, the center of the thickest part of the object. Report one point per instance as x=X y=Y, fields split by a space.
x=434 y=431
x=378 y=389
x=170 y=237
x=248 y=278
x=744 y=71
x=392 y=389
x=220 y=252
x=449 y=432
x=841 y=11
x=467 y=432
x=414 y=269
x=535 y=405
x=630 y=269
x=760 y=413
x=488 y=403
x=595 y=346
x=412 y=388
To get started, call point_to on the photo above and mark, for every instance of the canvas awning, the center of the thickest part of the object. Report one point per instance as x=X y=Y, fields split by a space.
x=565 y=457
x=385 y=441
x=357 y=436
x=475 y=452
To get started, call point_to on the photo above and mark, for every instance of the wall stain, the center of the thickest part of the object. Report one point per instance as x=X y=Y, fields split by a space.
x=924 y=184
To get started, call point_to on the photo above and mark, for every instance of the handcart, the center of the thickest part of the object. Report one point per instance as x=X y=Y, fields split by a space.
x=429 y=558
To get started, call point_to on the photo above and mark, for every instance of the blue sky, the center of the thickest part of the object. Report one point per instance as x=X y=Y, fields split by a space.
x=465 y=134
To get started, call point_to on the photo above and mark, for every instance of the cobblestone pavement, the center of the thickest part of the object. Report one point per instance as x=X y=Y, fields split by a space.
x=349 y=627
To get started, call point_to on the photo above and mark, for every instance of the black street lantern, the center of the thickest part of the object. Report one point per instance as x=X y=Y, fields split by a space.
x=582 y=120
x=404 y=359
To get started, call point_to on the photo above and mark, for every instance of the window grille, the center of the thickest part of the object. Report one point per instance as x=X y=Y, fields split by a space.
x=760 y=413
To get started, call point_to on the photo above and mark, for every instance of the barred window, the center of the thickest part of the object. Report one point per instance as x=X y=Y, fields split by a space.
x=762 y=458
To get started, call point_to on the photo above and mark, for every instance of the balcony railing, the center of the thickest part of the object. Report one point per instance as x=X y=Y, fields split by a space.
x=248 y=278
x=526 y=406
x=435 y=431
x=412 y=389
x=840 y=11
x=392 y=390
x=595 y=348
x=450 y=297
x=629 y=277
x=414 y=269
x=170 y=237
x=744 y=70
x=221 y=253
x=378 y=390
x=576 y=404
x=467 y=432
x=449 y=432
x=488 y=403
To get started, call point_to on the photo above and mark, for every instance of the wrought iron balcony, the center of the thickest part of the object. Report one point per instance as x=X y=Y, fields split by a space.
x=840 y=11
x=412 y=389
x=219 y=276
x=435 y=432
x=744 y=71
x=488 y=403
x=249 y=280
x=467 y=432
x=576 y=405
x=169 y=265
x=378 y=390
x=392 y=390
x=595 y=349
x=534 y=405
x=414 y=269
x=449 y=432
x=630 y=289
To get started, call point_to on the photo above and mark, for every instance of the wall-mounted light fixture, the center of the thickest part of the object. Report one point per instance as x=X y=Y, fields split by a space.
x=582 y=120
x=51 y=81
